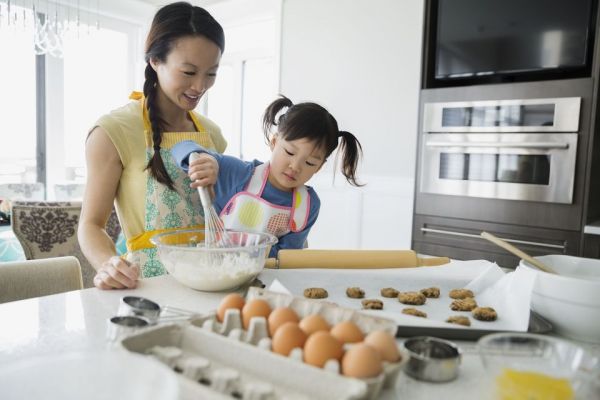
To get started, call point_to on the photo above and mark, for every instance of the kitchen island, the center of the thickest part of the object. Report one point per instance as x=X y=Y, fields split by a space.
x=77 y=321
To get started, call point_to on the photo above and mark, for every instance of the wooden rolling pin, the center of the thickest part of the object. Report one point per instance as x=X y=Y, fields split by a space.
x=355 y=259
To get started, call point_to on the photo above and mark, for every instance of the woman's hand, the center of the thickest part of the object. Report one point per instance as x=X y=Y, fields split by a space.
x=203 y=171
x=117 y=273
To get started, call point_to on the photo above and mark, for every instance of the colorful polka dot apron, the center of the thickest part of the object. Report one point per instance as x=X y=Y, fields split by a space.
x=248 y=211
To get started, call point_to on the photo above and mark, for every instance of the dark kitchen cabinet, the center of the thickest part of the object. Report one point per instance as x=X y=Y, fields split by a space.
x=459 y=239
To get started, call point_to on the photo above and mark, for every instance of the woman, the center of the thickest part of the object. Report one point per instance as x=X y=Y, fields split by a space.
x=128 y=150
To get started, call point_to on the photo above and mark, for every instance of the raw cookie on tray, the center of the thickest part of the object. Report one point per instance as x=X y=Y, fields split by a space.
x=466 y=304
x=484 y=314
x=315 y=293
x=372 y=304
x=431 y=292
x=460 y=293
x=389 y=292
x=413 y=298
x=414 y=311
x=355 y=293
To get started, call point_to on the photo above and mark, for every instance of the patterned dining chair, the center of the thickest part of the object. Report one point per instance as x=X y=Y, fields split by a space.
x=21 y=280
x=49 y=229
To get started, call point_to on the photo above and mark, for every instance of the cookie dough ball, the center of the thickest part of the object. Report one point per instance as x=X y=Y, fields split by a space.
x=413 y=298
x=414 y=311
x=355 y=293
x=372 y=304
x=432 y=292
x=459 y=319
x=315 y=293
x=484 y=314
x=461 y=293
x=467 y=304
x=389 y=292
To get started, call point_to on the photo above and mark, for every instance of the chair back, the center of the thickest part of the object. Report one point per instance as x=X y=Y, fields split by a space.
x=21 y=280
x=22 y=191
x=49 y=229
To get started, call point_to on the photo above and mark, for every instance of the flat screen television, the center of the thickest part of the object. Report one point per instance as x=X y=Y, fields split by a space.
x=494 y=41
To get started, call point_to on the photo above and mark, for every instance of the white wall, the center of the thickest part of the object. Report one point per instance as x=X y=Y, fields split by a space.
x=361 y=60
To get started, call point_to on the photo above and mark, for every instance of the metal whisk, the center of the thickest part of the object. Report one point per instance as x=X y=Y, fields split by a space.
x=215 y=234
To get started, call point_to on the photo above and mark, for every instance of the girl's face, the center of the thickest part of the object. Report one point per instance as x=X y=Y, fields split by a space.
x=294 y=162
x=188 y=72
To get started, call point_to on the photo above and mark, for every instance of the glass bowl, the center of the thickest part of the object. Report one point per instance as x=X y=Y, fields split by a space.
x=213 y=268
x=535 y=367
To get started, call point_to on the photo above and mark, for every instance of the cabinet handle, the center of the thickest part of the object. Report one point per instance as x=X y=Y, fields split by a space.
x=471 y=235
x=516 y=145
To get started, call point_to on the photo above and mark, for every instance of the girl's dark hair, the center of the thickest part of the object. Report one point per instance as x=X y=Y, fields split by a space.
x=171 y=23
x=313 y=122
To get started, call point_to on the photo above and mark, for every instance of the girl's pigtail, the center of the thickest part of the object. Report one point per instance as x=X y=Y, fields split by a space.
x=352 y=151
x=155 y=164
x=270 y=115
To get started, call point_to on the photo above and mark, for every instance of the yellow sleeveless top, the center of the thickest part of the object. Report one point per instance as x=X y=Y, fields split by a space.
x=125 y=128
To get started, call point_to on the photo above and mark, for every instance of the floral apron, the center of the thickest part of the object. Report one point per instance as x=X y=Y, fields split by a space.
x=166 y=210
x=248 y=211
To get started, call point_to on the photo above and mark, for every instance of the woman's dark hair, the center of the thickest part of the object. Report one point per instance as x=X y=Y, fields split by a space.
x=171 y=23
x=313 y=122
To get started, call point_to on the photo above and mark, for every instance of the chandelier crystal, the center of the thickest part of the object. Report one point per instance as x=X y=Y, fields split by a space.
x=51 y=22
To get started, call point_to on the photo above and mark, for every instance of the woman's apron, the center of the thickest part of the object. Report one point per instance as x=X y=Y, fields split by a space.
x=166 y=210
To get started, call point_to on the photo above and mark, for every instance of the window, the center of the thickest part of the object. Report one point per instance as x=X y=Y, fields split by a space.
x=17 y=98
x=95 y=74
x=248 y=77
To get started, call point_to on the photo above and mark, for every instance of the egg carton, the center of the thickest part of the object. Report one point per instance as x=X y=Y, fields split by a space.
x=257 y=332
x=213 y=366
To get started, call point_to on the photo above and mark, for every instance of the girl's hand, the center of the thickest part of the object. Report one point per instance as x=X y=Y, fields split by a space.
x=203 y=171
x=117 y=273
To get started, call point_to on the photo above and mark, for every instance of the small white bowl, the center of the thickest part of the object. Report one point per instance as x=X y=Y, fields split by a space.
x=570 y=299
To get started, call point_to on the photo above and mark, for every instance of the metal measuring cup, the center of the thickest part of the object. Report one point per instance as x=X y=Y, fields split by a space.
x=432 y=359
x=151 y=311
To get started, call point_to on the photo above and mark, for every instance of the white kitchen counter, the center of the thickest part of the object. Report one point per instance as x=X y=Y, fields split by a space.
x=77 y=321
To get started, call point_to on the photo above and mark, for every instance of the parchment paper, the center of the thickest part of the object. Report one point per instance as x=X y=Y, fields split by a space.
x=508 y=293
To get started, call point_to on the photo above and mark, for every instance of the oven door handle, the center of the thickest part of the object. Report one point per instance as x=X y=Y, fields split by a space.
x=470 y=235
x=528 y=145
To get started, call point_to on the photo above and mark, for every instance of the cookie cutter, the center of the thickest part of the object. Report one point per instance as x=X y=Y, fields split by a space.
x=432 y=359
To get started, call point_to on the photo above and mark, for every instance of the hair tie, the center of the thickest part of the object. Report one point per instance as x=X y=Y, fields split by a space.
x=341 y=133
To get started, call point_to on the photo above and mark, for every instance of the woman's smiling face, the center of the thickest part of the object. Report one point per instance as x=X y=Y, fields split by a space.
x=189 y=71
x=294 y=162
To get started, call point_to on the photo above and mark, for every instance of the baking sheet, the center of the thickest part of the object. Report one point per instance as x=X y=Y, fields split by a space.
x=508 y=293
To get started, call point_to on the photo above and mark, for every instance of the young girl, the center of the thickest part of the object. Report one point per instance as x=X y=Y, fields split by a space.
x=272 y=196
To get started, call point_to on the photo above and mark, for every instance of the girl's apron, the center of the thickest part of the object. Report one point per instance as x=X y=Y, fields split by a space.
x=248 y=211
x=166 y=210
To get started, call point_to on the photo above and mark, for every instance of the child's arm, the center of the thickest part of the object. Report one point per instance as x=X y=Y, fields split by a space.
x=182 y=150
x=204 y=170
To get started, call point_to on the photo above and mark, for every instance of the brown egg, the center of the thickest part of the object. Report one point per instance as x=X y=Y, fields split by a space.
x=280 y=316
x=320 y=347
x=288 y=337
x=313 y=323
x=385 y=344
x=361 y=361
x=347 y=332
x=255 y=308
x=232 y=300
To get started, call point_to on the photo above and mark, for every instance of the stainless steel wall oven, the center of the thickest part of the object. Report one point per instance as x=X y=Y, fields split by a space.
x=509 y=159
x=504 y=149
